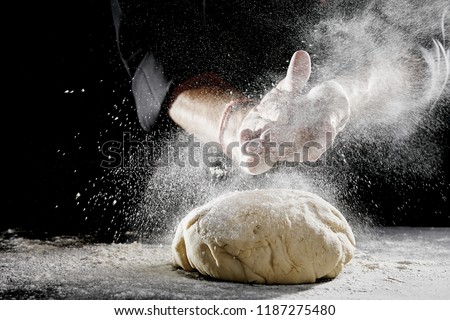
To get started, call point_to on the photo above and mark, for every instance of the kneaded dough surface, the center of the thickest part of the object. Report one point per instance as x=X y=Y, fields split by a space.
x=273 y=236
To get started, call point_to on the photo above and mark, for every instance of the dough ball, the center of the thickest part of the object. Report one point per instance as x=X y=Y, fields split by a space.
x=264 y=236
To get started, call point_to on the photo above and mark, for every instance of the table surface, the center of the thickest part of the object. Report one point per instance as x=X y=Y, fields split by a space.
x=390 y=263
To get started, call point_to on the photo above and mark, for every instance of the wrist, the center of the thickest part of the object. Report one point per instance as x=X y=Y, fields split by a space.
x=231 y=120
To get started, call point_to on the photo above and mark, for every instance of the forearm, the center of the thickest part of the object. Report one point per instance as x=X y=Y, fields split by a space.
x=200 y=109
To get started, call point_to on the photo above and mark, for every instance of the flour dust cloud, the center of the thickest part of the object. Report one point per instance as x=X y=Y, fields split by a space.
x=392 y=59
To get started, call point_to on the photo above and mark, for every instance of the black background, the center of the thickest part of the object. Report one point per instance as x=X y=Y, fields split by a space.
x=65 y=76
x=50 y=134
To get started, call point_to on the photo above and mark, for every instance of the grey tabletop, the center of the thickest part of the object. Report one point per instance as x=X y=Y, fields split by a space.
x=390 y=263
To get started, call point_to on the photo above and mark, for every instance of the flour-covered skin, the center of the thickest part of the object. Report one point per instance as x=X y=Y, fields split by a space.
x=290 y=125
x=299 y=126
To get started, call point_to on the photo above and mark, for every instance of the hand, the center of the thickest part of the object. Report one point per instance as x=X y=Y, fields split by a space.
x=291 y=126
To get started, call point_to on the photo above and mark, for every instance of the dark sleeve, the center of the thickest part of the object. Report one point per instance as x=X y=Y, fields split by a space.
x=136 y=25
x=156 y=42
x=150 y=88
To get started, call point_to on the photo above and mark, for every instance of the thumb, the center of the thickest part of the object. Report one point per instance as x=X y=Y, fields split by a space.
x=298 y=72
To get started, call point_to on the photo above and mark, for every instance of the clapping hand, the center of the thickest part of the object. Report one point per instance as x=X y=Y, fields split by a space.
x=289 y=125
